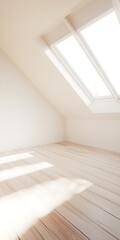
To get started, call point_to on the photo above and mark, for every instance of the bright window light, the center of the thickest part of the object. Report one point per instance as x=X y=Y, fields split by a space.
x=103 y=37
x=81 y=65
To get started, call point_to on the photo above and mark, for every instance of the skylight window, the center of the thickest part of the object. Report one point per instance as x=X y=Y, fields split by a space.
x=103 y=37
x=86 y=50
x=81 y=65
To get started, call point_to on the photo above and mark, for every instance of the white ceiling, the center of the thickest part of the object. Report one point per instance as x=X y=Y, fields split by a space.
x=22 y=22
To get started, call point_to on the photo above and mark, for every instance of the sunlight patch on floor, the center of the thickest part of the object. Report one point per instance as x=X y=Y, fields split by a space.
x=23 y=170
x=15 y=157
x=20 y=210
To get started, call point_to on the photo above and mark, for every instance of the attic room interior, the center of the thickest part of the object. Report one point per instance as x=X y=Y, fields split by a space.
x=59 y=119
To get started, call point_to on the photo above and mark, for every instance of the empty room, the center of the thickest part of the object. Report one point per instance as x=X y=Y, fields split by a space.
x=59 y=119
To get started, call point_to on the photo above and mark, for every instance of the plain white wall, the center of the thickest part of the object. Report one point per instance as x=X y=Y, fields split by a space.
x=26 y=118
x=100 y=133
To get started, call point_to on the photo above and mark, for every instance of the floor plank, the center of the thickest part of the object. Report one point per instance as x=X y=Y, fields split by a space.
x=59 y=191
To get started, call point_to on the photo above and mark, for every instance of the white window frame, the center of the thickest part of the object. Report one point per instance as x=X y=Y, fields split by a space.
x=83 y=44
x=97 y=104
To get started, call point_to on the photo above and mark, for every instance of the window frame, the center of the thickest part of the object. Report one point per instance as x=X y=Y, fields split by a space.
x=114 y=98
x=75 y=75
x=94 y=61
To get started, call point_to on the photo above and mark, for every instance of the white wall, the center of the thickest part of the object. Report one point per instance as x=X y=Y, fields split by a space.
x=104 y=134
x=26 y=118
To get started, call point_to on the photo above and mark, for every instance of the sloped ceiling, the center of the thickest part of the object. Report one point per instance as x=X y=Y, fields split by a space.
x=22 y=22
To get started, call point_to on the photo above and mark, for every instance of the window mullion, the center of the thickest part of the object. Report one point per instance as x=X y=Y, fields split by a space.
x=92 y=58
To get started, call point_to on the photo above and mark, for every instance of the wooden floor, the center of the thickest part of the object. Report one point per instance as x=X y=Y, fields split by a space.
x=59 y=191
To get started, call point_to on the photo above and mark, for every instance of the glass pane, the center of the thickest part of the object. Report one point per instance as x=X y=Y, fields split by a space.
x=77 y=59
x=103 y=37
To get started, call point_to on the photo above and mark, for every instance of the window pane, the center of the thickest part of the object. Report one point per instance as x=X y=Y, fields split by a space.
x=75 y=56
x=103 y=37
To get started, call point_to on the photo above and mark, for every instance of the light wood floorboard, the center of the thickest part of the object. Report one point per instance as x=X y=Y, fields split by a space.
x=59 y=191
